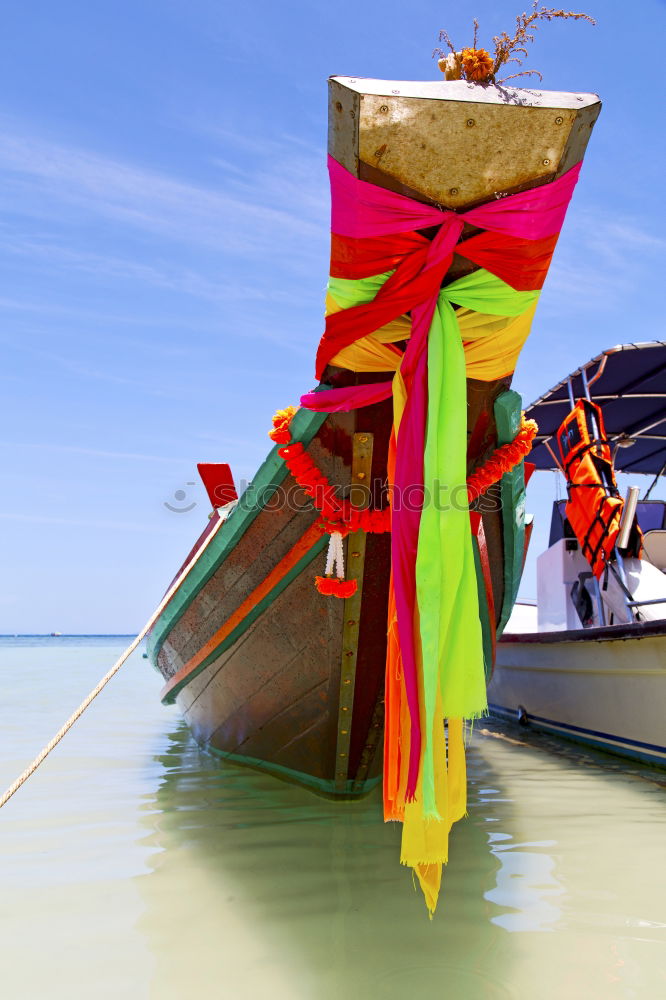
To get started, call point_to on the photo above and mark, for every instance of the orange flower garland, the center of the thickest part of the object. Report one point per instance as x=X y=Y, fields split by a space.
x=335 y=516
x=340 y=517
x=281 y=420
x=502 y=460
x=329 y=586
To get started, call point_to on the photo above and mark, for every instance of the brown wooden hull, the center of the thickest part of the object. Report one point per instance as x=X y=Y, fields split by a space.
x=272 y=698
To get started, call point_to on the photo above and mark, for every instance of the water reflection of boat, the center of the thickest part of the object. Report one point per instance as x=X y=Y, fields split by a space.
x=303 y=895
x=589 y=661
x=265 y=670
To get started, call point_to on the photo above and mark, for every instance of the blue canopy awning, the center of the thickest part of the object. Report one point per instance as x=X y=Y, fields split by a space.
x=628 y=382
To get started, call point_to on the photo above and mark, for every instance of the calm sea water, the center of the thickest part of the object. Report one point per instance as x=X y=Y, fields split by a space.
x=133 y=865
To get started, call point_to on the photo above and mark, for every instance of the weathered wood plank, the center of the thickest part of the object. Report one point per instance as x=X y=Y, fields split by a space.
x=355 y=565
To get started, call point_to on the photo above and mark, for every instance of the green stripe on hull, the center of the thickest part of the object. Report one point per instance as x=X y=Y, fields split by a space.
x=250 y=617
x=484 y=614
x=304 y=426
x=323 y=786
x=508 y=409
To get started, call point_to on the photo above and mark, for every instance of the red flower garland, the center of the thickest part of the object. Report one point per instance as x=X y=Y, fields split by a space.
x=334 y=514
x=502 y=460
x=280 y=433
x=330 y=586
x=340 y=516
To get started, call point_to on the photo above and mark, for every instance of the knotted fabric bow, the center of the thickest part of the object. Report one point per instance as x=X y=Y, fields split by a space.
x=386 y=287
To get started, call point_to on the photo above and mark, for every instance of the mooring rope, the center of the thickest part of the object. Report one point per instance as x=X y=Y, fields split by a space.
x=14 y=787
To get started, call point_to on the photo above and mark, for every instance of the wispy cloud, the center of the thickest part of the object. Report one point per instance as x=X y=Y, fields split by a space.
x=286 y=169
x=94 y=452
x=257 y=143
x=615 y=242
x=68 y=312
x=244 y=247
x=584 y=283
x=188 y=337
x=73 y=364
x=42 y=176
x=149 y=527
x=601 y=260
x=173 y=278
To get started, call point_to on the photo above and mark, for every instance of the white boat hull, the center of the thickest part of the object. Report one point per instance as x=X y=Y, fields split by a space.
x=605 y=687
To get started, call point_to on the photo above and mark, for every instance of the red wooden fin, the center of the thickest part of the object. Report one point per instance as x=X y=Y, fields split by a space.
x=219 y=482
x=529 y=468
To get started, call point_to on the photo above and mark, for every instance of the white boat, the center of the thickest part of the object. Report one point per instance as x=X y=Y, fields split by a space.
x=588 y=661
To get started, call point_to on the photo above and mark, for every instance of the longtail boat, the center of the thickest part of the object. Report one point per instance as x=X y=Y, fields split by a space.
x=405 y=464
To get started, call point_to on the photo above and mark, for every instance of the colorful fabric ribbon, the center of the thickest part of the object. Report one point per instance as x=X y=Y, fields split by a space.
x=386 y=289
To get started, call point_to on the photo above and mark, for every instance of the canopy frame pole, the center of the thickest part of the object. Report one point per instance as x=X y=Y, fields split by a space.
x=599 y=372
x=654 y=482
x=554 y=457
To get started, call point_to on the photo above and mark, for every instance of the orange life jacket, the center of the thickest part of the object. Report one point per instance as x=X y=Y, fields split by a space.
x=594 y=508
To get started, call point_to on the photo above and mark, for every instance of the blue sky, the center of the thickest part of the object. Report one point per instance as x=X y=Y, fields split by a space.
x=164 y=245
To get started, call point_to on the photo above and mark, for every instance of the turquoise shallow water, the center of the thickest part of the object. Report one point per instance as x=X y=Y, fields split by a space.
x=134 y=865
